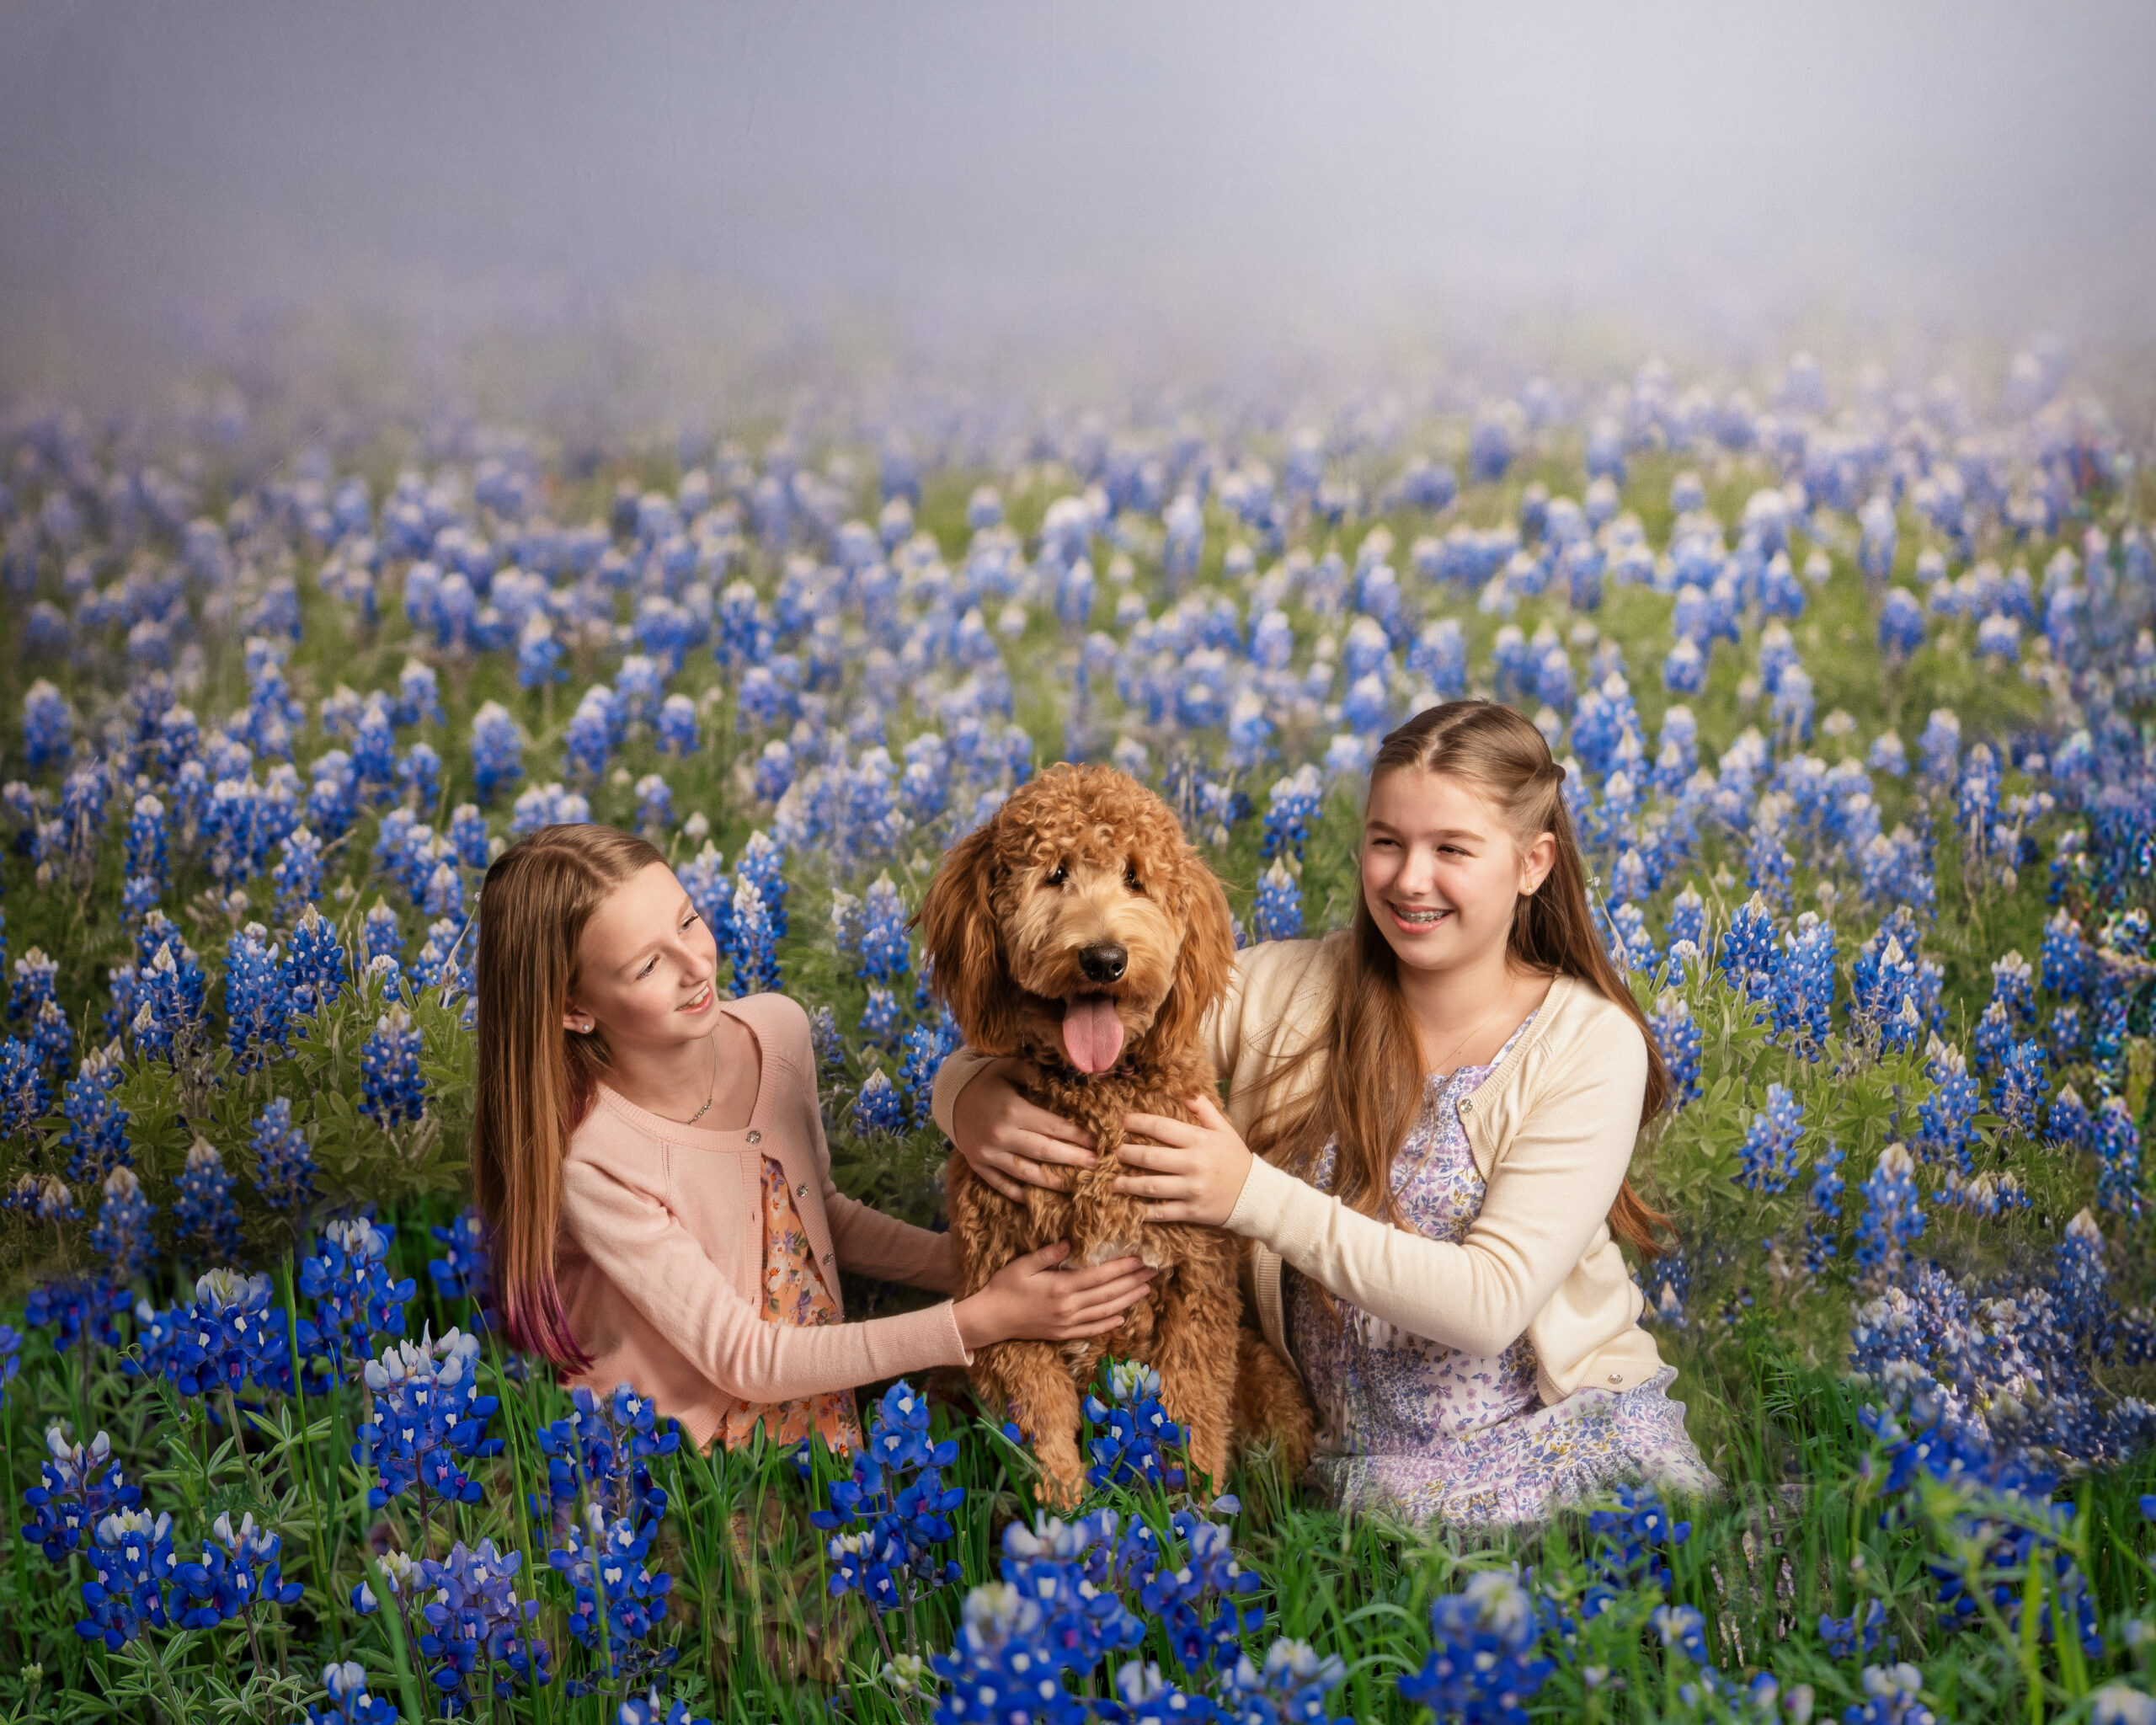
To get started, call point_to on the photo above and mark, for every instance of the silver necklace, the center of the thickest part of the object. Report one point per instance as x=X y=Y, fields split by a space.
x=700 y=1112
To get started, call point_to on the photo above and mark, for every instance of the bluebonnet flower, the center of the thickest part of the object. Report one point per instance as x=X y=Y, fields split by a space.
x=2024 y=1080
x=284 y=1164
x=460 y=1610
x=1893 y=1215
x=606 y=1558
x=885 y=954
x=1277 y=912
x=1631 y=947
x=2087 y=1313
x=468 y=836
x=298 y=872
x=2070 y=1121
x=97 y=1125
x=316 y=966
x=1292 y=812
x=1859 y=1632
x=351 y=1703
x=2118 y=1153
x=1946 y=1118
x=76 y=1306
x=48 y=726
x=391 y=1090
x=229 y=1336
x=461 y=1272
x=1747 y=953
x=25 y=1095
x=1902 y=627
x=1887 y=994
x=1767 y=1159
x=603 y=1449
x=145 y=856
x=419 y=773
x=356 y=1297
x=1824 y=1210
x=1680 y=1039
x=204 y=1217
x=878 y=1108
x=650 y=1709
x=2067 y=963
x=1893 y=1697
x=1292 y=1684
x=824 y=1039
x=131 y=1566
x=1141 y=1445
x=497 y=750
x=1939 y=749
x=762 y=860
x=122 y=1235
x=1804 y=986
x=891 y=1521
x=1483 y=1665
x=36 y=982
x=239 y=1571
x=78 y=1486
x=753 y=941
x=427 y=1416
x=678 y=732
x=258 y=998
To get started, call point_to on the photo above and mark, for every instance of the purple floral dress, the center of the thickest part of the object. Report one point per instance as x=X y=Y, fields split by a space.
x=1409 y=1426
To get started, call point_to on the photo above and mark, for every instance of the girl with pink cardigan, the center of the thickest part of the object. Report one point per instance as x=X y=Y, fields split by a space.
x=651 y=1167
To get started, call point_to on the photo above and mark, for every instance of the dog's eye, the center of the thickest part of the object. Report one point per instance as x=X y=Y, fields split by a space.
x=1061 y=874
x=1130 y=878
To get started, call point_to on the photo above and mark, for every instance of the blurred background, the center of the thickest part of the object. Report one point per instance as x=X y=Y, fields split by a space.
x=1061 y=187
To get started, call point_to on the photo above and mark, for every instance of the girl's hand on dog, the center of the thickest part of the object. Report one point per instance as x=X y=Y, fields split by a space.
x=1009 y=1143
x=1031 y=1300
x=1194 y=1170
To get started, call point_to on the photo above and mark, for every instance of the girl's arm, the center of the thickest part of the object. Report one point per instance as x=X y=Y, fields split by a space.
x=1539 y=1213
x=637 y=1242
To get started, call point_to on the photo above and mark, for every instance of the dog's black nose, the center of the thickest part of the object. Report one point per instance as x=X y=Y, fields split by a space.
x=1103 y=962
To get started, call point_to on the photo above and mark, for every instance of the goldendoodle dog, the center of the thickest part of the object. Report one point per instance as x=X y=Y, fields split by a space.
x=1079 y=930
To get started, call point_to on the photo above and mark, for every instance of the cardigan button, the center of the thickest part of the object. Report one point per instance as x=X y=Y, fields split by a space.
x=1616 y=1377
x=755 y=1138
x=827 y=1257
x=802 y=1190
x=1468 y=1106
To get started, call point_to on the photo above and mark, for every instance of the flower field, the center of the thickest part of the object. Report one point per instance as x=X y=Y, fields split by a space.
x=1853 y=687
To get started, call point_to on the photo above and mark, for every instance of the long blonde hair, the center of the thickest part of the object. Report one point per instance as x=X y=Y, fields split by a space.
x=536 y=1080
x=1368 y=1096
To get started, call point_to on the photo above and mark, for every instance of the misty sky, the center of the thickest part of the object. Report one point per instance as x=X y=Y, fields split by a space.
x=164 y=165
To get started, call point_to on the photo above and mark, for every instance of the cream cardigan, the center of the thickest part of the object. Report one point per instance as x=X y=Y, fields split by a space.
x=1551 y=1131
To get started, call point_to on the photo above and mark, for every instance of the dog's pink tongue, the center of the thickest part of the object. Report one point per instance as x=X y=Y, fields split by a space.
x=1092 y=1034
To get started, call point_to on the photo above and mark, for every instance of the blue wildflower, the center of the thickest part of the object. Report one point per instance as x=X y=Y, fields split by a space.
x=391 y=1090
x=1767 y=1159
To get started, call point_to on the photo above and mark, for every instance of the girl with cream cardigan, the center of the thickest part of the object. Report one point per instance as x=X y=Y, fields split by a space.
x=651 y=1164
x=1429 y=1121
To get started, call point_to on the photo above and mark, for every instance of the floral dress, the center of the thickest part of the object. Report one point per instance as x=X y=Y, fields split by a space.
x=1425 y=1431
x=793 y=1294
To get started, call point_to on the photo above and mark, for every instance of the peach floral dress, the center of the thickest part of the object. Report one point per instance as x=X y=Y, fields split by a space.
x=793 y=1294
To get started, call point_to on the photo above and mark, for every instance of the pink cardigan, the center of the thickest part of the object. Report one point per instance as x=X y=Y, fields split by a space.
x=661 y=1253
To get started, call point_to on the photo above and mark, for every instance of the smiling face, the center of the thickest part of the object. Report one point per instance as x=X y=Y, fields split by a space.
x=645 y=966
x=1443 y=873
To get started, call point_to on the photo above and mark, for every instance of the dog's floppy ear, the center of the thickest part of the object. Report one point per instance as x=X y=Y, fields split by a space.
x=965 y=945
x=1208 y=958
